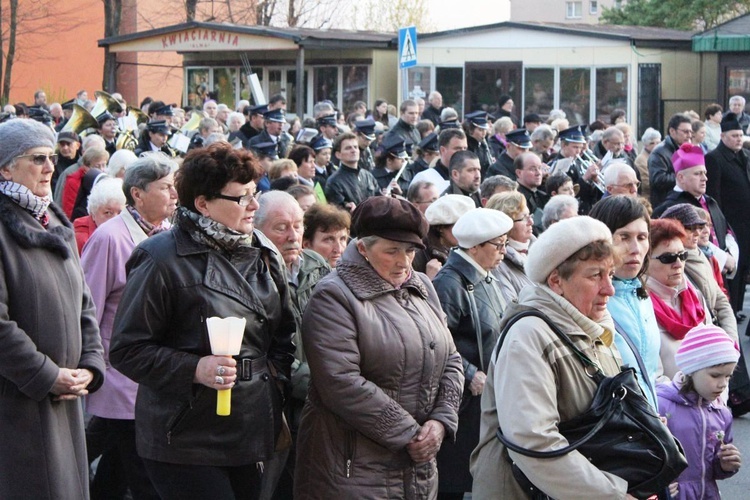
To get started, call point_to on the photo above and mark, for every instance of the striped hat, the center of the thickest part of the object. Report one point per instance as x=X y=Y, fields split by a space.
x=705 y=346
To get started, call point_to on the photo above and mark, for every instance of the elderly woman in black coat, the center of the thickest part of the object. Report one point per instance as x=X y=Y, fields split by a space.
x=473 y=301
x=50 y=351
x=211 y=263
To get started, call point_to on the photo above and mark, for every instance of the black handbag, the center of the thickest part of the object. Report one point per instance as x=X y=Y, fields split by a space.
x=620 y=433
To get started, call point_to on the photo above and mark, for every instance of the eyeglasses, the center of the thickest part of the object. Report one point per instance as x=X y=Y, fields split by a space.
x=242 y=201
x=525 y=218
x=40 y=159
x=671 y=258
x=686 y=131
x=499 y=246
x=630 y=185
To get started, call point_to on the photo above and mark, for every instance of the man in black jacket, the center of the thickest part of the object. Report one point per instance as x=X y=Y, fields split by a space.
x=349 y=185
x=660 y=171
x=476 y=126
x=729 y=183
x=254 y=124
x=466 y=176
x=518 y=142
x=432 y=112
x=406 y=127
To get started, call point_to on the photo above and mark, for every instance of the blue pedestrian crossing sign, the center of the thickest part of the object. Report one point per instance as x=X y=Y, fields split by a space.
x=407 y=47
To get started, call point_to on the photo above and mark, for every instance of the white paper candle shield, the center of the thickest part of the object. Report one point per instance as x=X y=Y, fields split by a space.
x=225 y=335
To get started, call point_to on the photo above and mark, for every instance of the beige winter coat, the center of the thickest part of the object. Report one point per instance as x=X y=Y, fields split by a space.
x=534 y=383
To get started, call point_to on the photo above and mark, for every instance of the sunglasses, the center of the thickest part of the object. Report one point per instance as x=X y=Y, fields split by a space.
x=671 y=258
x=40 y=159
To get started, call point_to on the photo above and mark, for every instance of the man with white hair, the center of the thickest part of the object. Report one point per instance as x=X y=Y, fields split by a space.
x=210 y=108
x=612 y=147
x=432 y=112
x=650 y=139
x=737 y=106
x=280 y=218
x=560 y=207
x=620 y=178
x=222 y=114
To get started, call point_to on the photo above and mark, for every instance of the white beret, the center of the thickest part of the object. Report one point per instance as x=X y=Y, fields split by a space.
x=479 y=225
x=560 y=241
x=448 y=209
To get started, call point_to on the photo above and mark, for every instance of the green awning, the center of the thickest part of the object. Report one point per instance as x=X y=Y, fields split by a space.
x=713 y=42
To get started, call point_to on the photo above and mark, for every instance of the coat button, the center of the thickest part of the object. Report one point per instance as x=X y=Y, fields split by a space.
x=432 y=345
x=265 y=377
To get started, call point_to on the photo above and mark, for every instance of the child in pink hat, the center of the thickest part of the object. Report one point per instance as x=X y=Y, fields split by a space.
x=695 y=412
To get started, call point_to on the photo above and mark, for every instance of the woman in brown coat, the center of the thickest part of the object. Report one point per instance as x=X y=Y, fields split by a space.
x=386 y=377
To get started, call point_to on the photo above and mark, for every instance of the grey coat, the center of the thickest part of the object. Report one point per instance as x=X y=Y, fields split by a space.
x=47 y=322
x=382 y=363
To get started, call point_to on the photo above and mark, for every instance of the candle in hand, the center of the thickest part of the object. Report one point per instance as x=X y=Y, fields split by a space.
x=225 y=335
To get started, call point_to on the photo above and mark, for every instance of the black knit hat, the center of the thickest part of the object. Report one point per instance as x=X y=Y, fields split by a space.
x=730 y=122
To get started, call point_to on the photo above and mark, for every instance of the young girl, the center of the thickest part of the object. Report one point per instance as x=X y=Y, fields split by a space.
x=695 y=413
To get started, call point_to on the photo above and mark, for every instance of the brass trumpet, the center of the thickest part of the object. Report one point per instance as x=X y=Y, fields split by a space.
x=105 y=102
x=80 y=121
x=583 y=162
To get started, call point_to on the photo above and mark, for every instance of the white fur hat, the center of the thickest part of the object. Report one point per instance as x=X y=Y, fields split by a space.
x=479 y=225
x=560 y=241
x=448 y=209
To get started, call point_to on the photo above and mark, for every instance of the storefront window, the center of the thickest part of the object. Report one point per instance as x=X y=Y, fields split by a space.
x=326 y=84
x=275 y=83
x=197 y=86
x=539 y=91
x=225 y=85
x=738 y=83
x=611 y=92
x=420 y=84
x=575 y=94
x=355 y=87
x=450 y=82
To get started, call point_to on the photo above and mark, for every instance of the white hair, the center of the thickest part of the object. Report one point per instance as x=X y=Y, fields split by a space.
x=241 y=105
x=92 y=141
x=213 y=138
x=737 y=98
x=234 y=115
x=272 y=200
x=120 y=161
x=105 y=190
x=556 y=206
x=650 y=134
x=613 y=171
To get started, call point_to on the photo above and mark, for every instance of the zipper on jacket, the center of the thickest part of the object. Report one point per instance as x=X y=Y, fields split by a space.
x=350 y=438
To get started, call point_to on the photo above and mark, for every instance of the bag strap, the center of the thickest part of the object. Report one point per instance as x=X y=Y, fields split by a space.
x=475 y=319
x=638 y=357
x=586 y=361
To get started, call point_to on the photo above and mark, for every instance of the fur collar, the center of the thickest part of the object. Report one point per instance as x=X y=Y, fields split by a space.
x=365 y=283
x=28 y=233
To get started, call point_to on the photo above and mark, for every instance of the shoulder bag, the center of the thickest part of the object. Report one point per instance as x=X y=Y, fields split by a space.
x=620 y=433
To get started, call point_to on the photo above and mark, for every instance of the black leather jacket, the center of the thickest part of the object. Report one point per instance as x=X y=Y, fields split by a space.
x=160 y=334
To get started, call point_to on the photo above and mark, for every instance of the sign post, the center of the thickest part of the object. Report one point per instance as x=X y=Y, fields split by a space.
x=407 y=55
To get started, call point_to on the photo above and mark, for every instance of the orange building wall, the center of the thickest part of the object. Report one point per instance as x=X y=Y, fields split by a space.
x=67 y=58
x=62 y=61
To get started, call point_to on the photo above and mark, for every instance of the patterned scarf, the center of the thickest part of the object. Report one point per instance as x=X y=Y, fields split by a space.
x=678 y=323
x=147 y=227
x=20 y=194
x=211 y=233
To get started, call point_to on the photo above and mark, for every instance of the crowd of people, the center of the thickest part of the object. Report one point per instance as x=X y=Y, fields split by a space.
x=377 y=261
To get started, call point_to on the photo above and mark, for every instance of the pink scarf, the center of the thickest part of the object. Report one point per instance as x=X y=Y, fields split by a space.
x=678 y=324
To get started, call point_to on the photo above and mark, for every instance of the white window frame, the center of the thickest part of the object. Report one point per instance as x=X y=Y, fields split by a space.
x=594 y=7
x=570 y=9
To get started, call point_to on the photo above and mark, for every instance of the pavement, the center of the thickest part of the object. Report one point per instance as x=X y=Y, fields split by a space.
x=738 y=486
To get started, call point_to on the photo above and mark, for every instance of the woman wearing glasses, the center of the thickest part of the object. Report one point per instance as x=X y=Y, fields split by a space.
x=511 y=272
x=211 y=263
x=473 y=301
x=50 y=351
x=678 y=305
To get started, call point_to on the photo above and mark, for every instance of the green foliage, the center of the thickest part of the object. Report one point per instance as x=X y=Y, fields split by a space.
x=676 y=14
